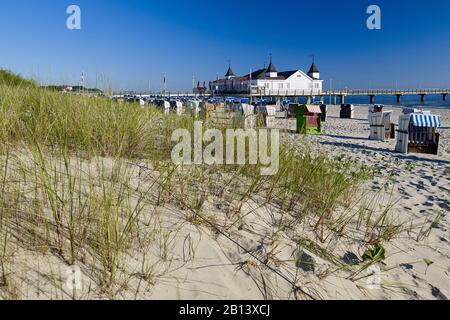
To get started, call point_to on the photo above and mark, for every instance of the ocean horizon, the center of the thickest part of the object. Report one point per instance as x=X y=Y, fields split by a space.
x=431 y=101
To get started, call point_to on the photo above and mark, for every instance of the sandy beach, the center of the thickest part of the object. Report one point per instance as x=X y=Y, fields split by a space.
x=250 y=258
x=421 y=190
x=418 y=187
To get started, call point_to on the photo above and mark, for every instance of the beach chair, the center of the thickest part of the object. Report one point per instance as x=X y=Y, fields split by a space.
x=292 y=110
x=281 y=111
x=206 y=109
x=347 y=111
x=233 y=115
x=270 y=115
x=376 y=108
x=323 y=115
x=275 y=119
x=380 y=126
x=308 y=119
x=179 y=107
x=409 y=110
x=166 y=107
x=248 y=111
x=195 y=109
x=417 y=133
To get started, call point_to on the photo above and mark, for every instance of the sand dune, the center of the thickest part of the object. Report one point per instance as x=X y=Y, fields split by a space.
x=255 y=259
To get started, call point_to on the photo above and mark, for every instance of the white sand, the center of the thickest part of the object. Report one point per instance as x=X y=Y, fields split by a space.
x=422 y=190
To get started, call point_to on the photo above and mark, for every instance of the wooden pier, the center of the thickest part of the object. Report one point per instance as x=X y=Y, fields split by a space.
x=310 y=95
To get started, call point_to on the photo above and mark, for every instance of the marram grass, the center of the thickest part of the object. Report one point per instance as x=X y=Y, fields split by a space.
x=86 y=180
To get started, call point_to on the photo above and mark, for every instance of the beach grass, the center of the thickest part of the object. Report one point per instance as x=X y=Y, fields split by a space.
x=85 y=179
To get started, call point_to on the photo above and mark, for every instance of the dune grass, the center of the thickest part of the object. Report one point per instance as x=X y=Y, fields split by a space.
x=83 y=178
x=10 y=78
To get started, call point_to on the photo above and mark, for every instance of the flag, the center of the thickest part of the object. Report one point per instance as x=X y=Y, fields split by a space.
x=165 y=82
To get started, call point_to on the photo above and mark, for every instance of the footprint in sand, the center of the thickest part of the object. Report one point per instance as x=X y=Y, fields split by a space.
x=407 y=266
x=444 y=205
x=419 y=186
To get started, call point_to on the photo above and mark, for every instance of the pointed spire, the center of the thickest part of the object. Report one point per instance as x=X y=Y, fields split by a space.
x=271 y=68
x=230 y=72
x=313 y=68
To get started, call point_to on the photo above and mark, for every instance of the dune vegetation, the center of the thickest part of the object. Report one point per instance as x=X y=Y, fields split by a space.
x=89 y=182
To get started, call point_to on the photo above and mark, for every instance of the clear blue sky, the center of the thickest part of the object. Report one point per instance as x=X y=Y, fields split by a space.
x=128 y=43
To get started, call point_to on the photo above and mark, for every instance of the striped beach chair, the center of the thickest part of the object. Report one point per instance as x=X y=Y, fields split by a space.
x=417 y=133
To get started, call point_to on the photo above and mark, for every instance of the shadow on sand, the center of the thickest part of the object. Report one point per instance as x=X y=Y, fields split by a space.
x=393 y=152
x=344 y=137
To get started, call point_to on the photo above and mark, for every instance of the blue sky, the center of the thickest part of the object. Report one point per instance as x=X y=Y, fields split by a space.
x=126 y=44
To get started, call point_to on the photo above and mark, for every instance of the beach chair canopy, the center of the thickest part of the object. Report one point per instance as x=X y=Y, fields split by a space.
x=313 y=109
x=248 y=109
x=426 y=120
x=271 y=111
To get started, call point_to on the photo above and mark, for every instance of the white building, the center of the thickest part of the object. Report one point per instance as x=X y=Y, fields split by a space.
x=267 y=80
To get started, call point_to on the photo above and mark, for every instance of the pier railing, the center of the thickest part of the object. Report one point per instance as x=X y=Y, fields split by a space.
x=257 y=92
x=346 y=92
x=369 y=92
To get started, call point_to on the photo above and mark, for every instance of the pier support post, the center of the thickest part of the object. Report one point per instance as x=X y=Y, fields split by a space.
x=322 y=99
x=342 y=99
x=422 y=97
x=399 y=98
x=309 y=99
x=372 y=99
x=444 y=96
x=335 y=100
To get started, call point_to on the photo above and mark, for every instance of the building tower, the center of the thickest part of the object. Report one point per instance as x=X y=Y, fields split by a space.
x=230 y=73
x=271 y=71
x=314 y=71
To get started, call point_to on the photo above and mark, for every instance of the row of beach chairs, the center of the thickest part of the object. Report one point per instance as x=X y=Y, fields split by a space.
x=416 y=133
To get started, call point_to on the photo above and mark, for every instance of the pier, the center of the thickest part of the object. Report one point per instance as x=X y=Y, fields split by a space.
x=310 y=95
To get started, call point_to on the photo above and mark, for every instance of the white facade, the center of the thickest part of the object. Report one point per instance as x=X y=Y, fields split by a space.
x=298 y=81
x=262 y=81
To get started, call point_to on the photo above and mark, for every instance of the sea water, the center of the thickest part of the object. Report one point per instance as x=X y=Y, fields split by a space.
x=431 y=101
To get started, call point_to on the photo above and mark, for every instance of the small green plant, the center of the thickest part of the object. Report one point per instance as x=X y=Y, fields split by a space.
x=374 y=253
